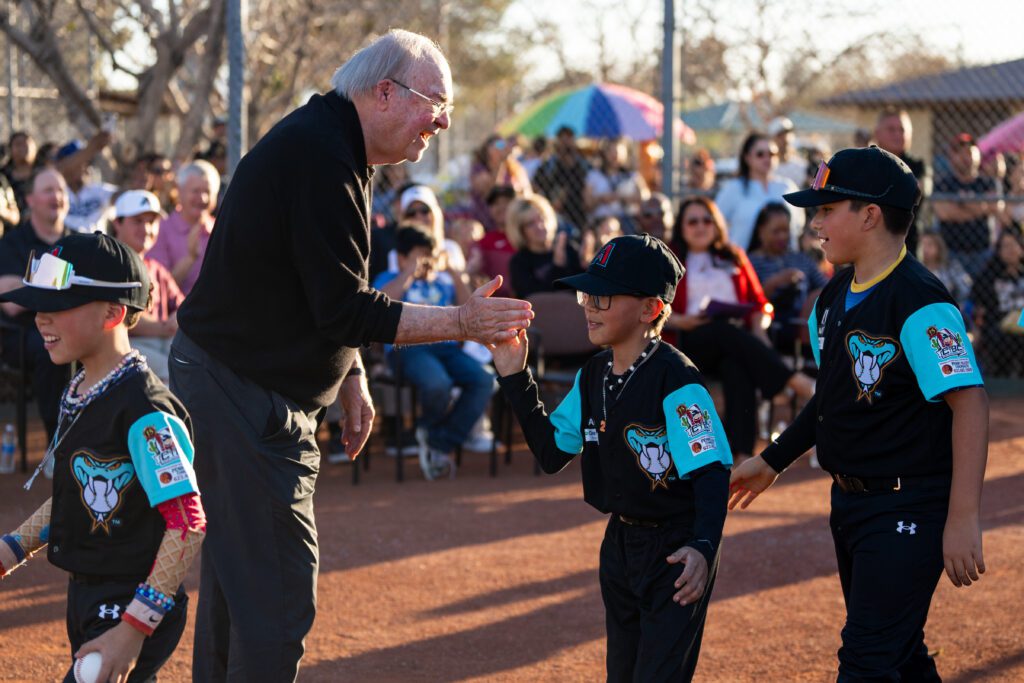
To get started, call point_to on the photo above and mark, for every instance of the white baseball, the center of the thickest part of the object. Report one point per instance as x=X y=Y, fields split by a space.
x=867 y=370
x=87 y=669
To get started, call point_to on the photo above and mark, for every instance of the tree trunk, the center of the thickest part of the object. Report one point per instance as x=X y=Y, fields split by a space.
x=192 y=126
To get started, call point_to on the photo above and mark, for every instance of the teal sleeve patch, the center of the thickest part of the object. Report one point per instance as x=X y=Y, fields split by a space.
x=162 y=453
x=696 y=436
x=939 y=351
x=812 y=327
x=566 y=420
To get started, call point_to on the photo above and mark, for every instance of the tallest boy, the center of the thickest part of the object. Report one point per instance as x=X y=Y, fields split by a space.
x=270 y=332
x=900 y=419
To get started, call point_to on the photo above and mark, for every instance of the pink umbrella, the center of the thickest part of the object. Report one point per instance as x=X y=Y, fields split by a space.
x=1008 y=136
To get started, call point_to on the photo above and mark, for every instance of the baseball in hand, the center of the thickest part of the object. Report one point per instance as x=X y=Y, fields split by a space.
x=87 y=668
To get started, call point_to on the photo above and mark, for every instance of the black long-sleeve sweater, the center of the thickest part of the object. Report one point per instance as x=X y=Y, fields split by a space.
x=282 y=296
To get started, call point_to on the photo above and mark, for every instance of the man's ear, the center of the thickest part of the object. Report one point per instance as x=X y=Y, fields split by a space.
x=382 y=94
x=115 y=316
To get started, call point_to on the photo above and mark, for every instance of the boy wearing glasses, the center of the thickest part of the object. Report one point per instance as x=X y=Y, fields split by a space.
x=654 y=457
x=125 y=519
x=900 y=419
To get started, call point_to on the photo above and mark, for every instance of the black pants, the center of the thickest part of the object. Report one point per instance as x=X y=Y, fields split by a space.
x=650 y=637
x=256 y=462
x=744 y=364
x=889 y=551
x=95 y=608
x=48 y=380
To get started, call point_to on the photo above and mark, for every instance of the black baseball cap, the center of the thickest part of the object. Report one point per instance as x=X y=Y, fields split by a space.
x=79 y=269
x=640 y=265
x=868 y=174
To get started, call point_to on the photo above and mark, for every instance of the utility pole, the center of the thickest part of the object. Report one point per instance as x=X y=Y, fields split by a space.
x=670 y=58
x=236 y=21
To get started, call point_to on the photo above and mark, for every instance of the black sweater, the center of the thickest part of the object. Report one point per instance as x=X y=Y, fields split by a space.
x=282 y=296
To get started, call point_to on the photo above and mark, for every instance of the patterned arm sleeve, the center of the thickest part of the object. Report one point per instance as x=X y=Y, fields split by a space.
x=18 y=546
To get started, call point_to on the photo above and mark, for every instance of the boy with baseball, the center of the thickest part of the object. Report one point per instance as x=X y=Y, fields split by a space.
x=899 y=419
x=125 y=519
x=654 y=457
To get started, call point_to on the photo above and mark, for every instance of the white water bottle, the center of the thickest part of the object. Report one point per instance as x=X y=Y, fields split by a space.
x=7 y=451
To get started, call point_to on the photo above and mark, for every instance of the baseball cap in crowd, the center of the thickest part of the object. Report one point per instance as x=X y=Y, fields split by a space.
x=633 y=264
x=964 y=139
x=867 y=174
x=134 y=202
x=79 y=269
x=69 y=149
x=779 y=124
x=419 y=193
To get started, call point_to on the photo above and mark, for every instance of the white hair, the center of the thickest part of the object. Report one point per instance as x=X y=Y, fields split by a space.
x=391 y=55
x=202 y=169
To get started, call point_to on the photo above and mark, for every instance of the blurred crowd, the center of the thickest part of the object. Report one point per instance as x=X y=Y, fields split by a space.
x=534 y=212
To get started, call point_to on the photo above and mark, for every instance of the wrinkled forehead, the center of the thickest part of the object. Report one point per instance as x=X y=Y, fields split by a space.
x=432 y=76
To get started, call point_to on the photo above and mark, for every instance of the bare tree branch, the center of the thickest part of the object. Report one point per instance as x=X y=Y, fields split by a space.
x=96 y=30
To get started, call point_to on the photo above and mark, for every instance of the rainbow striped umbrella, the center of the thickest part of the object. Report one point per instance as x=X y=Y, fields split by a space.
x=600 y=110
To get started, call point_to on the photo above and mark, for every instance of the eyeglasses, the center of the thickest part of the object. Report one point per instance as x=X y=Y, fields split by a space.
x=601 y=302
x=821 y=183
x=418 y=211
x=439 y=108
x=52 y=272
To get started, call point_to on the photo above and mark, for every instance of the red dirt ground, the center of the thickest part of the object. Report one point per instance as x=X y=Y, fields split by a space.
x=496 y=579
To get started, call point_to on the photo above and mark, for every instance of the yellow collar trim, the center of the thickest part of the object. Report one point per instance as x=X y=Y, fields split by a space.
x=857 y=288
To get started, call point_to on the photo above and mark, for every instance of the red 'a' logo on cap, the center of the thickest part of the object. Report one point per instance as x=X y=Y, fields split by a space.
x=602 y=256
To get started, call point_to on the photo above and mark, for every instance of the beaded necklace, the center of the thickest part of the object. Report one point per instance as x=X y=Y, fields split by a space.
x=72 y=405
x=608 y=387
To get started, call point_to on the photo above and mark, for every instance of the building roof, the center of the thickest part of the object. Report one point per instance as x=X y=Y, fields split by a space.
x=992 y=82
x=738 y=117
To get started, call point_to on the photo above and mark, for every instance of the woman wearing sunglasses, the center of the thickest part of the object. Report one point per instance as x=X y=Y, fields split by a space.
x=719 y=315
x=741 y=198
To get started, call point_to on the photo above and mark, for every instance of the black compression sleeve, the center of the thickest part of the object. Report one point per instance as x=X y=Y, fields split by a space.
x=711 y=498
x=524 y=395
x=795 y=441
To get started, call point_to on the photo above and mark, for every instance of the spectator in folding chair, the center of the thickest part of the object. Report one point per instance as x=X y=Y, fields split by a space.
x=435 y=369
x=719 y=288
x=542 y=256
x=998 y=296
x=789 y=278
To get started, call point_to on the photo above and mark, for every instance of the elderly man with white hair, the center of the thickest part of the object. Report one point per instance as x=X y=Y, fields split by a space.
x=270 y=332
x=186 y=232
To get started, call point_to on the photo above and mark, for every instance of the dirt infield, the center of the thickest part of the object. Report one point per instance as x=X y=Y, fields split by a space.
x=496 y=579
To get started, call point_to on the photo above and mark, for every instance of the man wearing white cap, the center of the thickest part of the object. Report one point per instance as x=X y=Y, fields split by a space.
x=137 y=215
x=790 y=164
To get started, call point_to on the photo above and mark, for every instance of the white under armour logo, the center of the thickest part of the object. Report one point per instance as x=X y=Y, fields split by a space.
x=901 y=527
x=111 y=612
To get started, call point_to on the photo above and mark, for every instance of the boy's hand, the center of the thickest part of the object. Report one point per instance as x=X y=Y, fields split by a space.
x=749 y=480
x=694 y=578
x=961 y=550
x=119 y=647
x=510 y=356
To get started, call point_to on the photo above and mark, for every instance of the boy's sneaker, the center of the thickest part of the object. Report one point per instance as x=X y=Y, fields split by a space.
x=336 y=454
x=439 y=465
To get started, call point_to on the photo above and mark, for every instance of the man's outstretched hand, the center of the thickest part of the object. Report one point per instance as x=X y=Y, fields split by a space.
x=492 y=320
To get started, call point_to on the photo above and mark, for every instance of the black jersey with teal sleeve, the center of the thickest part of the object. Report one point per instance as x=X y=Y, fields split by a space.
x=662 y=455
x=884 y=364
x=129 y=450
